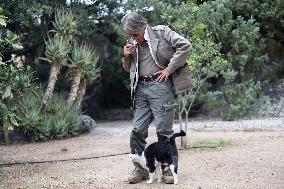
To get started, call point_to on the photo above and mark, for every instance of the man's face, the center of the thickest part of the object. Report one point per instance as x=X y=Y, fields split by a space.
x=139 y=36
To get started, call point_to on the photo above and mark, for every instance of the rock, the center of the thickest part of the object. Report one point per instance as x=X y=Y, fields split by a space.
x=64 y=149
x=271 y=102
x=87 y=123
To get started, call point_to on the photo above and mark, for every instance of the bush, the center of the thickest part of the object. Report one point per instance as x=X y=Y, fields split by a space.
x=227 y=55
x=236 y=99
x=29 y=114
x=57 y=122
x=63 y=120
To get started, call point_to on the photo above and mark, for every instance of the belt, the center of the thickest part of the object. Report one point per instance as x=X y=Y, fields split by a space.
x=148 y=78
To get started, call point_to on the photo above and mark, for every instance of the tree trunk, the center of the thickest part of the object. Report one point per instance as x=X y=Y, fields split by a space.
x=185 y=130
x=75 y=87
x=6 y=129
x=55 y=69
x=180 y=126
x=82 y=91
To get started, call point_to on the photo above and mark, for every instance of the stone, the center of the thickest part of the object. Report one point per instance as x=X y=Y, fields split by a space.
x=87 y=124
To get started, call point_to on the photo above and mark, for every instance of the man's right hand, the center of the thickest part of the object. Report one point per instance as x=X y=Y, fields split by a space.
x=128 y=50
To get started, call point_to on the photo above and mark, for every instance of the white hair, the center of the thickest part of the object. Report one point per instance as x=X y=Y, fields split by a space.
x=133 y=23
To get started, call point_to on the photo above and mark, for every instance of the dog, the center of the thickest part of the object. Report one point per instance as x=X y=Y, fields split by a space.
x=162 y=153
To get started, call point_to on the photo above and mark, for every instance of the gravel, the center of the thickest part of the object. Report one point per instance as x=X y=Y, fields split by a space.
x=255 y=158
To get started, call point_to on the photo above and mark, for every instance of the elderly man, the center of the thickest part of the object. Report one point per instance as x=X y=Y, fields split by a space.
x=156 y=59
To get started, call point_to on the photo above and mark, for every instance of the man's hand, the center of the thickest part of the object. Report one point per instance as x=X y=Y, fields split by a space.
x=128 y=50
x=163 y=75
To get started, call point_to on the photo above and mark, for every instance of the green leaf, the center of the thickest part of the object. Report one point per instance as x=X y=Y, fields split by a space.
x=2 y=22
x=13 y=121
x=11 y=37
x=17 y=46
x=8 y=93
x=2 y=106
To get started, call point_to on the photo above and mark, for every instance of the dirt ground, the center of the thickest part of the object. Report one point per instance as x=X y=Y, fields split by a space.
x=254 y=160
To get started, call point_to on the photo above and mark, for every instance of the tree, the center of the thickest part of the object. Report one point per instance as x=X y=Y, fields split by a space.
x=57 y=49
x=205 y=61
x=236 y=40
x=91 y=73
x=83 y=58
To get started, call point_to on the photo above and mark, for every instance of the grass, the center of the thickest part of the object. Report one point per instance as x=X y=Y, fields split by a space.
x=212 y=144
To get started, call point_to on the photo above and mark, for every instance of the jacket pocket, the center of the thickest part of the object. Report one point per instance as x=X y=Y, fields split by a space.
x=169 y=113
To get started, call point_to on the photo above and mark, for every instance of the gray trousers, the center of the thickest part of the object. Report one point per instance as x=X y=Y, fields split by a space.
x=152 y=100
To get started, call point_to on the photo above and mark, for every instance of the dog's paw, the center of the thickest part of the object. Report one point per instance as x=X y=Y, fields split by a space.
x=159 y=180
x=166 y=168
x=149 y=182
x=176 y=182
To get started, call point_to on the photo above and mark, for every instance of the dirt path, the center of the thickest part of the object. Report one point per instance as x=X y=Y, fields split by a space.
x=254 y=160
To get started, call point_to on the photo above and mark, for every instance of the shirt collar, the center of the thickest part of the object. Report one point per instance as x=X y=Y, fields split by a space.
x=146 y=35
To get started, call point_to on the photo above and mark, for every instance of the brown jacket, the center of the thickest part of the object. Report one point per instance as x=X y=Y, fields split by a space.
x=169 y=50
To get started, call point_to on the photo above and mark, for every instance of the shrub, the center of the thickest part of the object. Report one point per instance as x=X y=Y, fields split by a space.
x=227 y=54
x=236 y=99
x=63 y=120
x=57 y=122
x=29 y=114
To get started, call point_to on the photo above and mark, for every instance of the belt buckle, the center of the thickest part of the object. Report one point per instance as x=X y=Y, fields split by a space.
x=145 y=78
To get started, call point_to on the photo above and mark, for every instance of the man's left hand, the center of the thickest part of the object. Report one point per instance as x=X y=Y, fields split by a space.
x=163 y=75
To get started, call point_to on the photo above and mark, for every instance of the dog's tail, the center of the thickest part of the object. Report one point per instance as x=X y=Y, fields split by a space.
x=181 y=133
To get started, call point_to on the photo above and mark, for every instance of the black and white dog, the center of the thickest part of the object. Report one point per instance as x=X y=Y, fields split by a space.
x=157 y=154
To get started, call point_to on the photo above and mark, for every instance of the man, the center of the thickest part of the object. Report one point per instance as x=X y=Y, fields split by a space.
x=156 y=60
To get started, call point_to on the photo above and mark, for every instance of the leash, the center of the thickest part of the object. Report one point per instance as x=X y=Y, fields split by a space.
x=81 y=158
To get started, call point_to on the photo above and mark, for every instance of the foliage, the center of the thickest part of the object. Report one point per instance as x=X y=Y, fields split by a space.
x=20 y=98
x=240 y=98
x=241 y=32
x=58 y=122
x=269 y=15
x=82 y=55
x=221 y=143
x=227 y=54
x=82 y=69
x=59 y=45
x=91 y=68
x=65 y=23
x=14 y=83
x=30 y=20
x=57 y=49
x=8 y=39
x=62 y=120
x=29 y=114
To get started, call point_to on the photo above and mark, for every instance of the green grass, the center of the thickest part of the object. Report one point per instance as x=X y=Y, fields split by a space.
x=212 y=144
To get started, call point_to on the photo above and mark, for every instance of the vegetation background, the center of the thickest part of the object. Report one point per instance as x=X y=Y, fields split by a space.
x=238 y=51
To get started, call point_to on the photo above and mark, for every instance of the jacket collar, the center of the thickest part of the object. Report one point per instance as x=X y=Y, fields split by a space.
x=152 y=39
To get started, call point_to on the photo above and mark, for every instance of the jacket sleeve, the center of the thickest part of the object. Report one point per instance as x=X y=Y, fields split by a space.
x=126 y=63
x=182 y=49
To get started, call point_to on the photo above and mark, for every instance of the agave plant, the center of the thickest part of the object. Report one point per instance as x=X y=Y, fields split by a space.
x=28 y=110
x=82 y=57
x=61 y=120
x=91 y=73
x=65 y=22
x=57 y=49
